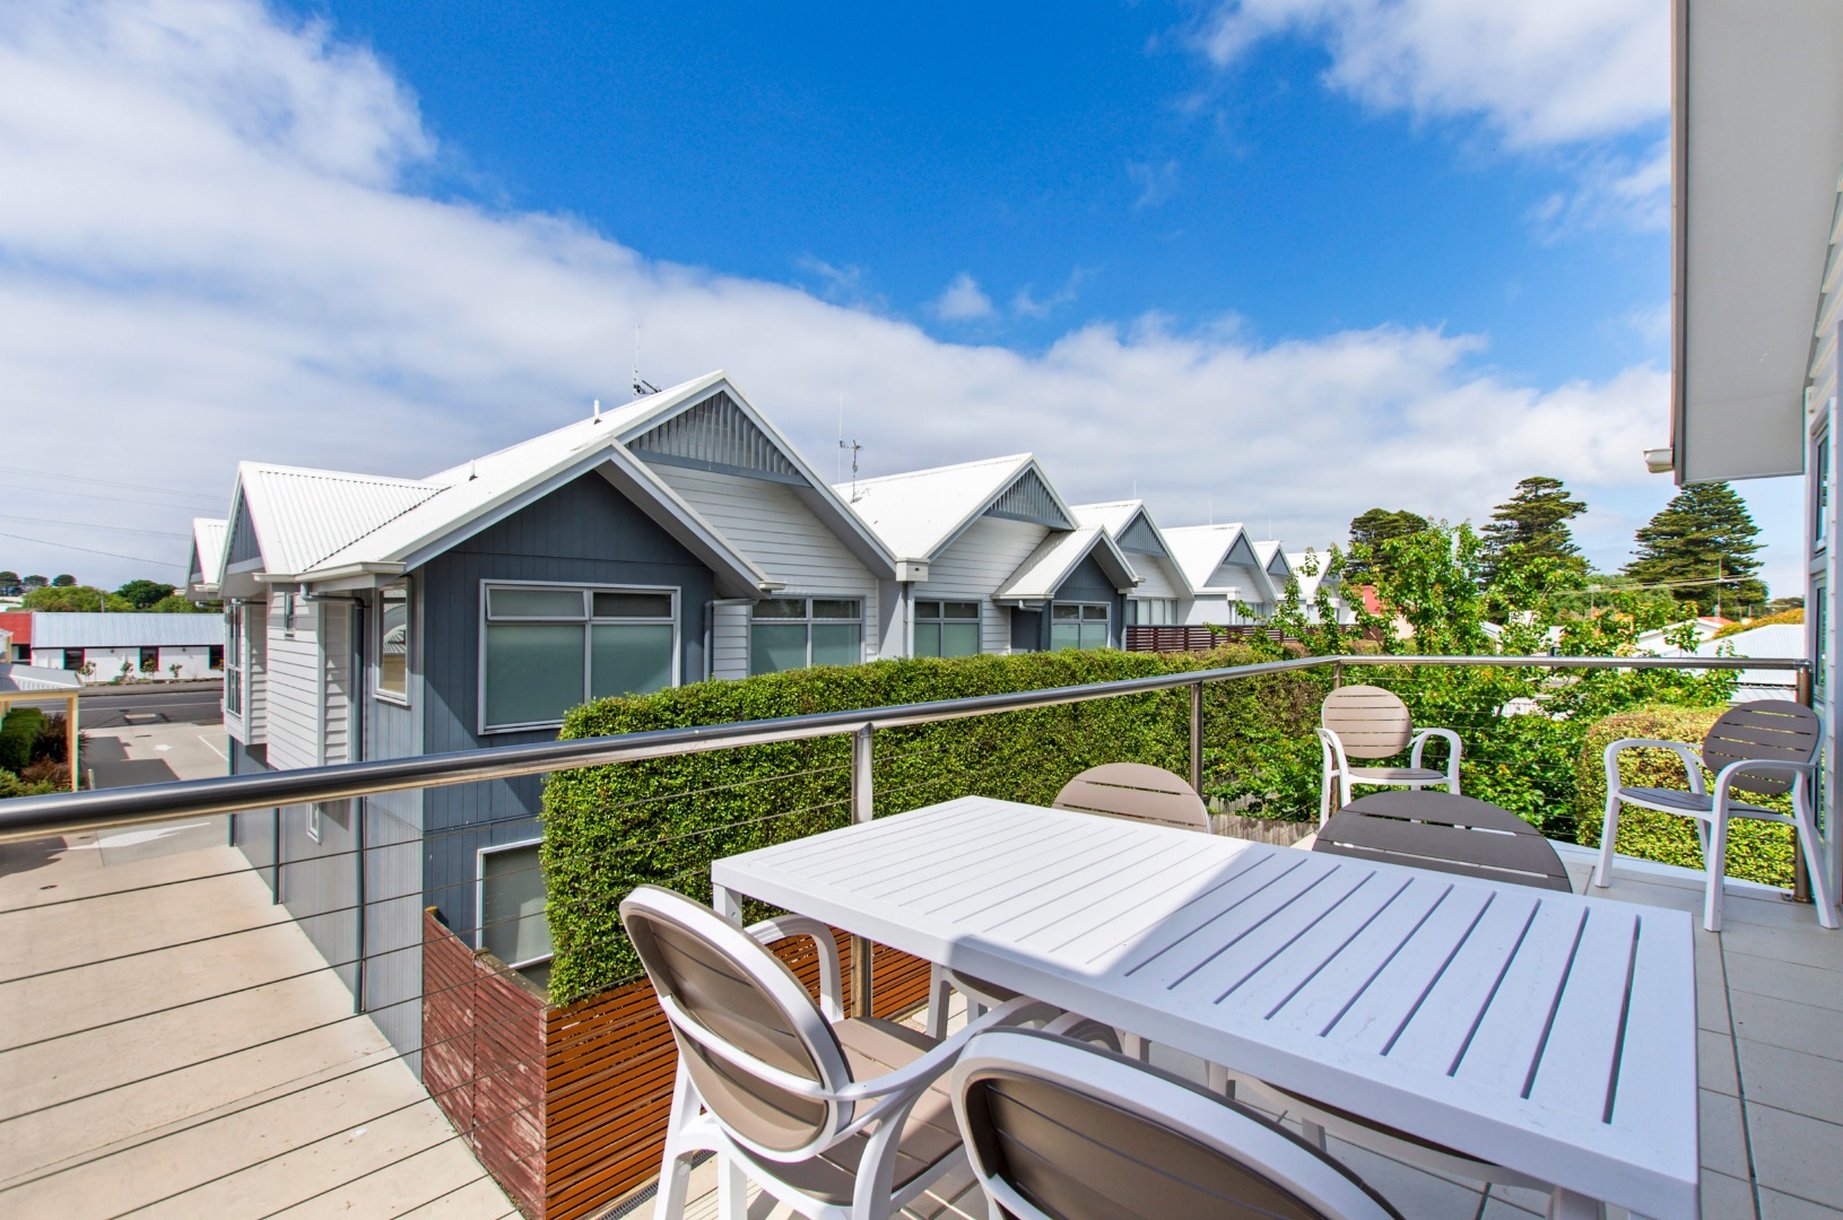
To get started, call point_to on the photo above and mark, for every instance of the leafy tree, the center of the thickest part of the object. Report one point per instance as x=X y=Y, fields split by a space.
x=1370 y=529
x=142 y=594
x=1533 y=525
x=9 y=578
x=64 y=580
x=35 y=582
x=174 y=604
x=1700 y=547
x=66 y=599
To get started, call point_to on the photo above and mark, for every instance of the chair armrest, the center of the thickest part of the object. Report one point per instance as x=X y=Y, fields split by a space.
x=1692 y=762
x=917 y=1074
x=1331 y=744
x=1452 y=755
x=1725 y=778
x=831 y=1000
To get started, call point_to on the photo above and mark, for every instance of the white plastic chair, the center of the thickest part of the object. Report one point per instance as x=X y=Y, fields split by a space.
x=1060 y=1131
x=1368 y=722
x=1764 y=748
x=836 y=1118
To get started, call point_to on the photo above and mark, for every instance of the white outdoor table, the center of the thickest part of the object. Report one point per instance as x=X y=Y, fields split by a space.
x=1550 y=1033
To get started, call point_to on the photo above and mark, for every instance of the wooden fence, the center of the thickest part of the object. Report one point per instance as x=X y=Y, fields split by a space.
x=1197 y=638
x=566 y=1107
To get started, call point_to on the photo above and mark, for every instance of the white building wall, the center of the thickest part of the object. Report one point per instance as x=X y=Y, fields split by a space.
x=973 y=568
x=194 y=662
x=256 y=710
x=294 y=703
x=768 y=522
x=729 y=641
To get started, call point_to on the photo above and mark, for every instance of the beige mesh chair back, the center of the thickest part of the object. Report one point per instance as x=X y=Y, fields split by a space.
x=1764 y=749
x=1056 y=1130
x=1138 y=792
x=1370 y=723
x=735 y=1009
x=840 y=1119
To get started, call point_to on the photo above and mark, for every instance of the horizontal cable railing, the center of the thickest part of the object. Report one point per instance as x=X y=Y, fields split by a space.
x=35 y=817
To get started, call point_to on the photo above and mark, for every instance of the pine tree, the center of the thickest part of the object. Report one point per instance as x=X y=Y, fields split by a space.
x=1704 y=535
x=1531 y=525
x=1376 y=526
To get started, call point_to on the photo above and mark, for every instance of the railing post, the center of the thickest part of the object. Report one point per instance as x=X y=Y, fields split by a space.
x=1801 y=876
x=1196 y=735
x=1337 y=675
x=863 y=809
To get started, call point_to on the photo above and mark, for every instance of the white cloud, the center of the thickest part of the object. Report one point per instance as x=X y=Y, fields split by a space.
x=220 y=258
x=1157 y=181
x=963 y=301
x=1544 y=73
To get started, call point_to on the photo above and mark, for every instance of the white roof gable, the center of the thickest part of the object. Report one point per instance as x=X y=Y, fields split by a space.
x=1201 y=549
x=209 y=536
x=1117 y=517
x=1046 y=569
x=1309 y=582
x=918 y=513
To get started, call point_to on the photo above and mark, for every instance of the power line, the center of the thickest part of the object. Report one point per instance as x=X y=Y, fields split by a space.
x=97 y=525
x=89 y=550
x=89 y=481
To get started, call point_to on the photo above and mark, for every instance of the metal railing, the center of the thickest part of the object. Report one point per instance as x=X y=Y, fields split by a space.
x=37 y=818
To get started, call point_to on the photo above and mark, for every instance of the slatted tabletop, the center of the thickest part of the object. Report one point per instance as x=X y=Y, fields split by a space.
x=1551 y=1033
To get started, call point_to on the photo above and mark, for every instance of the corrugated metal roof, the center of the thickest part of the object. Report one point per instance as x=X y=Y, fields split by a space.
x=125 y=630
x=19 y=622
x=1041 y=575
x=17 y=678
x=1129 y=523
x=918 y=512
x=1201 y=549
x=208 y=549
x=303 y=516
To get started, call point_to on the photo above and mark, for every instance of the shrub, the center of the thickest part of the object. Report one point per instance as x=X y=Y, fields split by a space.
x=12 y=785
x=1757 y=851
x=50 y=771
x=610 y=828
x=53 y=738
x=19 y=732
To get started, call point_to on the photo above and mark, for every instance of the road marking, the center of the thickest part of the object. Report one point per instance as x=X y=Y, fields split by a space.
x=207 y=742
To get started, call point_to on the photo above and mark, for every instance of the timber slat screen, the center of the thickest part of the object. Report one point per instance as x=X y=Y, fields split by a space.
x=1196 y=638
x=567 y=1107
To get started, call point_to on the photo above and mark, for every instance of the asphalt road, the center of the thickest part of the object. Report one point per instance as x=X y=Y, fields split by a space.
x=114 y=708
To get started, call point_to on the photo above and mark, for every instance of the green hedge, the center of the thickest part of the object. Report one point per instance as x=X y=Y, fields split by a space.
x=18 y=732
x=1757 y=851
x=607 y=829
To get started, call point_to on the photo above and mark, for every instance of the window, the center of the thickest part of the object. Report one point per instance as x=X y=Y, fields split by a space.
x=946 y=629
x=1151 y=611
x=313 y=822
x=233 y=658
x=511 y=905
x=73 y=658
x=1821 y=486
x=150 y=660
x=1077 y=625
x=546 y=649
x=393 y=682
x=794 y=632
x=214 y=656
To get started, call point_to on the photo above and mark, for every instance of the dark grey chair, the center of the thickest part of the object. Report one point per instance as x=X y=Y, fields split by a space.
x=1765 y=749
x=1446 y=833
x=1056 y=1130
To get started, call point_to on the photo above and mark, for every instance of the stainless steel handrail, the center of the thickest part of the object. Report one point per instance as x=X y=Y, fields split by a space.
x=44 y=816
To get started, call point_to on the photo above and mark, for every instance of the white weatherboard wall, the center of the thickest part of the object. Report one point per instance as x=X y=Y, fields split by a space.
x=293 y=673
x=768 y=522
x=975 y=565
x=1157 y=578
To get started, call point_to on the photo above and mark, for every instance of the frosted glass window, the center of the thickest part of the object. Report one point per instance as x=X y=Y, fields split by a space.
x=533 y=672
x=1076 y=625
x=512 y=923
x=394 y=641
x=794 y=632
x=946 y=629
x=551 y=649
x=629 y=659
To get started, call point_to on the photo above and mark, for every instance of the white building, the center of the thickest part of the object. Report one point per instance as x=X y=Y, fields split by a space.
x=118 y=647
x=1163 y=596
x=1232 y=582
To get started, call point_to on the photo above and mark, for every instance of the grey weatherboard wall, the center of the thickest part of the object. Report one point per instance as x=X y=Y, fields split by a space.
x=1087 y=583
x=585 y=532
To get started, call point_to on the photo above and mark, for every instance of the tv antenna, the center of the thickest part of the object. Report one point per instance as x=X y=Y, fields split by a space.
x=855 y=449
x=642 y=387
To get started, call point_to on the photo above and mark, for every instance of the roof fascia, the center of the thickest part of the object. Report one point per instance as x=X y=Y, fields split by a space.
x=1030 y=463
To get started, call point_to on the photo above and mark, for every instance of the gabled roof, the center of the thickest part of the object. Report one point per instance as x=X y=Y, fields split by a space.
x=18 y=623
x=321 y=525
x=1274 y=567
x=1201 y=549
x=1129 y=523
x=917 y=515
x=1048 y=567
x=205 y=567
x=1308 y=583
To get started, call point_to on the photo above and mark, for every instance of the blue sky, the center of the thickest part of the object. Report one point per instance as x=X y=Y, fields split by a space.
x=1352 y=252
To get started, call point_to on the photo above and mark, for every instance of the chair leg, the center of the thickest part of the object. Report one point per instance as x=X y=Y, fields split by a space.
x=938 y=989
x=1716 y=862
x=1609 y=836
x=732 y=1190
x=675 y=1173
x=1814 y=866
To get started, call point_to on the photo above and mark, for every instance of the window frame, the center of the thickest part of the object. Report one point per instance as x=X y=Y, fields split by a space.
x=480 y=856
x=940 y=621
x=1082 y=622
x=588 y=591
x=236 y=661
x=806 y=621
x=379 y=691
